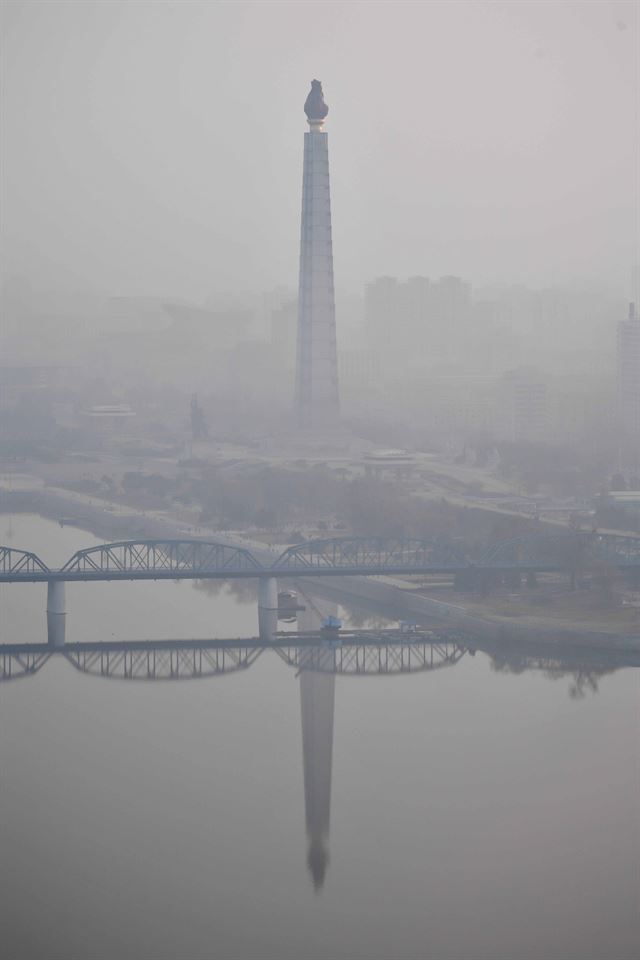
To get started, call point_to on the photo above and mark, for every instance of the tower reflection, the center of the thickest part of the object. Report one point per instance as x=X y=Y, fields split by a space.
x=317 y=697
x=317 y=702
x=317 y=656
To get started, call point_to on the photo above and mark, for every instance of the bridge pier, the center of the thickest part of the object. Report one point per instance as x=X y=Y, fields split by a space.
x=267 y=607
x=56 y=613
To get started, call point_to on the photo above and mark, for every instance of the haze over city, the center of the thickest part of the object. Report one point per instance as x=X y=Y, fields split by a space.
x=153 y=149
x=319 y=480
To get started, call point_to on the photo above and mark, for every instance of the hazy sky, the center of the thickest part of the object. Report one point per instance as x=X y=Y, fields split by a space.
x=156 y=147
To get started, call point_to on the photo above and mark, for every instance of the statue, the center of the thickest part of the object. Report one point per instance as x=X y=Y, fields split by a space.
x=314 y=106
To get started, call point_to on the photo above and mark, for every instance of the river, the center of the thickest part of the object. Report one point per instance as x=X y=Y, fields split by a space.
x=474 y=811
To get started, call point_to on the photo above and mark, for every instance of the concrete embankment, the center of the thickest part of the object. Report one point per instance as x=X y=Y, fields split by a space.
x=406 y=604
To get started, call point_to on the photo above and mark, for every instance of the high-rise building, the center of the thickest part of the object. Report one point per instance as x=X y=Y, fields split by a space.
x=316 y=393
x=451 y=300
x=381 y=312
x=525 y=406
x=416 y=317
x=628 y=370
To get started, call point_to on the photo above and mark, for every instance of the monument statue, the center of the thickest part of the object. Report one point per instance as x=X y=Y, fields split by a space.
x=314 y=106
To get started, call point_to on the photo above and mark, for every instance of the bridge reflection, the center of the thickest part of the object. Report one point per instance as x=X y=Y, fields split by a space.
x=359 y=653
x=317 y=660
x=315 y=656
x=375 y=659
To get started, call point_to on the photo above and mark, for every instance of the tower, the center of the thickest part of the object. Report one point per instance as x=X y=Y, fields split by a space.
x=316 y=394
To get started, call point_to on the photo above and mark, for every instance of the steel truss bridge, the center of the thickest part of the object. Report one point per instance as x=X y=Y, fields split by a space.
x=346 y=556
x=356 y=653
x=359 y=653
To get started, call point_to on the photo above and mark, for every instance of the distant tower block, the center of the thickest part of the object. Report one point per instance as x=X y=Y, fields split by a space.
x=316 y=399
x=629 y=389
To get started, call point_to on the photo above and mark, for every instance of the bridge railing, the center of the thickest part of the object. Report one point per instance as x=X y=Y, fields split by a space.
x=376 y=553
x=177 y=557
x=564 y=549
x=17 y=562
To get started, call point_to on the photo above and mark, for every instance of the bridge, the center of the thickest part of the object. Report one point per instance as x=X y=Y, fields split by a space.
x=346 y=556
x=166 y=559
x=358 y=653
x=135 y=560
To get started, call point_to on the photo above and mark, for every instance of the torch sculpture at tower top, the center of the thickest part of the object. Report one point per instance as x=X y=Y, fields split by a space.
x=316 y=398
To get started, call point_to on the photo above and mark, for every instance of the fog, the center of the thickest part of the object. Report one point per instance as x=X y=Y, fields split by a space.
x=154 y=148
x=319 y=386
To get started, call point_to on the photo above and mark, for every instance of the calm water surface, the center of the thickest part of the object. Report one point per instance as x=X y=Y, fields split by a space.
x=474 y=813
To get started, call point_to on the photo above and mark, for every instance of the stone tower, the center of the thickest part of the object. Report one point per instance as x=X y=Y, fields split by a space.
x=317 y=403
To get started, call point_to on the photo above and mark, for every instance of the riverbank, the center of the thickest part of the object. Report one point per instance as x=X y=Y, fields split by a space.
x=407 y=605
x=114 y=521
x=117 y=522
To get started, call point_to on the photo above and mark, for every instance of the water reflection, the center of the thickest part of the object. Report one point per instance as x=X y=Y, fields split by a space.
x=56 y=629
x=366 y=653
x=317 y=703
x=318 y=658
x=584 y=668
x=456 y=791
